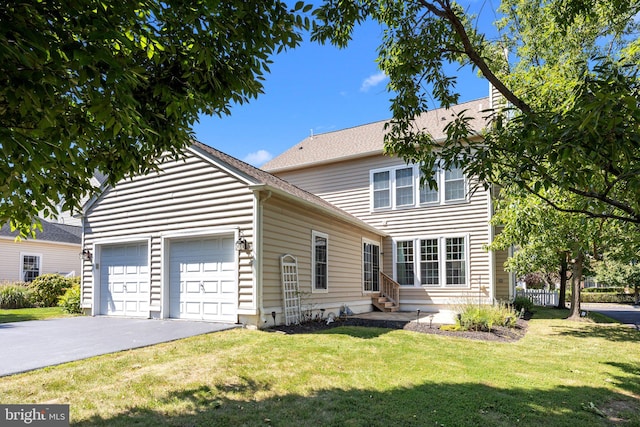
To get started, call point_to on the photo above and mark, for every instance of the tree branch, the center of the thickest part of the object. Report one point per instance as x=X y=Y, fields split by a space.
x=446 y=12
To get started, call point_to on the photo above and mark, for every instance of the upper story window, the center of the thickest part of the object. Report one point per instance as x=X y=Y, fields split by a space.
x=381 y=190
x=400 y=187
x=454 y=185
x=404 y=187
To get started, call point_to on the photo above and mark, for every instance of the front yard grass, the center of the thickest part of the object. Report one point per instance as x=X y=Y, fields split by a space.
x=24 y=314
x=560 y=374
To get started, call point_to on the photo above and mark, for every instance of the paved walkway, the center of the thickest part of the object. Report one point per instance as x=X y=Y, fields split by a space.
x=624 y=313
x=25 y=346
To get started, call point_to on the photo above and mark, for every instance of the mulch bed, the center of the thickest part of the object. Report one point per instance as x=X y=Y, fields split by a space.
x=499 y=334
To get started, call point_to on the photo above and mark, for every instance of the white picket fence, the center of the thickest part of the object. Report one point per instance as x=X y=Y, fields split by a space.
x=539 y=296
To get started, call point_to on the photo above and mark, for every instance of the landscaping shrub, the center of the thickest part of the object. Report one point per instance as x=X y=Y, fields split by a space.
x=486 y=317
x=70 y=300
x=46 y=289
x=522 y=302
x=606 y=297
x=608 y=289
x=14 y=295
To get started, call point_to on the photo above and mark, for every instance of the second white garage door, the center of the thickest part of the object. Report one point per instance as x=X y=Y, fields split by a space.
x=203 y=279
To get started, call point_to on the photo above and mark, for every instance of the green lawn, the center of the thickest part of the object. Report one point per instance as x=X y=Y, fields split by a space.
x=23 y=314
x=560 y=374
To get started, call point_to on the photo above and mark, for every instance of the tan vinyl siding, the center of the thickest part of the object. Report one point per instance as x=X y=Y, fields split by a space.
x=502 y=276
x=56 y=257
x=187 y=194
x=288 y=229
x=346 y=184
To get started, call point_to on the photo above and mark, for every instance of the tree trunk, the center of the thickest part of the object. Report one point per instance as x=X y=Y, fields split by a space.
x=636 y=293
x=563 y=281
x=576 y=278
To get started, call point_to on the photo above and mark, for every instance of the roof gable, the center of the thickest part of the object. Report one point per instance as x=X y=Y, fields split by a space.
x=258 y=178
x=368 y=139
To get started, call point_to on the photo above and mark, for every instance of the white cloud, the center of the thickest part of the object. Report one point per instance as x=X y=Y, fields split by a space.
x=258 y=158
x=372 y=81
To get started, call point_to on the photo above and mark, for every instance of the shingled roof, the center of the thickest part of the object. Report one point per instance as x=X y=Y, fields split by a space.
x=51 y=232
x=258 y=177
x=368 y=139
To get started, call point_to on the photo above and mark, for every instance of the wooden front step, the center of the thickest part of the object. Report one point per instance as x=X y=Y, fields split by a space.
x=384 y=304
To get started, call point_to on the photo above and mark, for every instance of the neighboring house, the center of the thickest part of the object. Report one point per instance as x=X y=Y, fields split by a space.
x=56 y=249
x=207 y=238
x=434 y=244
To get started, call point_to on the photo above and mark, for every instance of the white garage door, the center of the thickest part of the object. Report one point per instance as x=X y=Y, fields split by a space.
x=203 y=279
x=124 y=280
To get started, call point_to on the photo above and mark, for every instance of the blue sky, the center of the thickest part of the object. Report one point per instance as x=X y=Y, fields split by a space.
x=313 y=88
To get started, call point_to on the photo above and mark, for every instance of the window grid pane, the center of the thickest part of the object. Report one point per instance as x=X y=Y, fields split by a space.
x=455 y=265
x=428 y=195
x=454 y=184
x=381 y=190
x=404 y=262
x=30 y=267
x=429 y=269
x=404 y=187
x=321 y=263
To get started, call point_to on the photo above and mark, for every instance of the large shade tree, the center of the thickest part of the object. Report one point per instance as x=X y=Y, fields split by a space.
x=567 y=70
x=110 y=85
x=546 y=237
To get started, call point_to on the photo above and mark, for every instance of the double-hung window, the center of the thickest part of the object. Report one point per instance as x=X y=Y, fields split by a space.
x=439 y=262
x=381 y=190
x=427 y=194
x=429 y=262
x=454 y=185
x=320 y=257
x=404 y=187
x=405 y=262
x=456 y=261
x=30 y=266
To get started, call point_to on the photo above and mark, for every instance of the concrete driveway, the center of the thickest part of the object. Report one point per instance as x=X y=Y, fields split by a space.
x=624 y=313
x=25 y=346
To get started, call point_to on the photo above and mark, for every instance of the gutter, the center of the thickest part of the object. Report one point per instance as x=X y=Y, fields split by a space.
x=258 y=246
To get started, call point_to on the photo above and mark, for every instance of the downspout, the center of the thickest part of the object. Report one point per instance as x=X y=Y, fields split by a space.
x=258 y=246
x=492 y=254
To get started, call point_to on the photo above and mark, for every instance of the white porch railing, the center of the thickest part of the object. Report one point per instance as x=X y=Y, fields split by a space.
x=539 y=297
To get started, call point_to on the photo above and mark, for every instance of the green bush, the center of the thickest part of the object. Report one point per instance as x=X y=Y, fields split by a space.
x=607 y=289
x=606 y=297
x=15 y=295
x=46 y=289
x=522 y=302
x=70 y=300
x=486 y=317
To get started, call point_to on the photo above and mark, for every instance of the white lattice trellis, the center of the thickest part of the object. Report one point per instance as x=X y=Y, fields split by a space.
x=290 y=289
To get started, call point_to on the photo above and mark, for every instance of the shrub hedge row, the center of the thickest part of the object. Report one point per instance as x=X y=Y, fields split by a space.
x=43 y=291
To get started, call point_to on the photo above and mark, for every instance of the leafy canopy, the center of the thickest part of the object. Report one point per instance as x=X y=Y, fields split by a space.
x=567 y=71
x=110 y=85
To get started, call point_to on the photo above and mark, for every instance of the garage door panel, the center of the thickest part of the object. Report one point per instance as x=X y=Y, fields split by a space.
x=227 y=309
x=210 y=287
x=211 y=309
x=228 y=287
x=202 y=277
